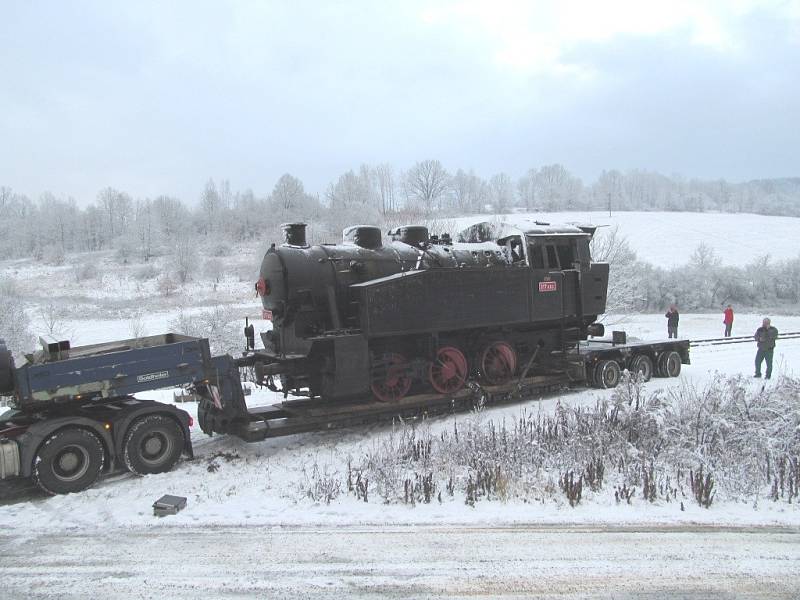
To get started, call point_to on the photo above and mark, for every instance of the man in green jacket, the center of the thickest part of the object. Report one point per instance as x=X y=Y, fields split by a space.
x=765 y=337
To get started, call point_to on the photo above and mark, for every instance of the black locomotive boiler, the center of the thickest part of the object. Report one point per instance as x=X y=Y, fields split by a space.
x=422 y=313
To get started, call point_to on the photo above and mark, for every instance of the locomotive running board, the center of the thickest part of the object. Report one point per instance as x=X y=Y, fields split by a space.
x=303 y=416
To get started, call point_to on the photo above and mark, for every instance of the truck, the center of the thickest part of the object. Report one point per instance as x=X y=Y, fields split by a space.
x=75 y=415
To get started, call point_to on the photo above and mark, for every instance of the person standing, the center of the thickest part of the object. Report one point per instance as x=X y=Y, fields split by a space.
x=765 y=337
x=672 y=321
x=728 y=320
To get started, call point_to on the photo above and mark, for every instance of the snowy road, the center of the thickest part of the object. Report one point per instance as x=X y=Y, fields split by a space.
x=413 y=562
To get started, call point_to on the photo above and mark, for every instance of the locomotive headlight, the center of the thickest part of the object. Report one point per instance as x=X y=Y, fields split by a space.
x=262 y=287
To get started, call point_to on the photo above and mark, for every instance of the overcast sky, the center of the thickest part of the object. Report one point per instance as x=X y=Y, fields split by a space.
x=155 y=98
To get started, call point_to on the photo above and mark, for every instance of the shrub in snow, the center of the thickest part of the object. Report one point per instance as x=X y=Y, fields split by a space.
x=84 y=271
x=147 y=272
x=220 y=249
x=726 y=440
x=218 y=324
x=53 y=255
x=214 y=269
x=167 y=286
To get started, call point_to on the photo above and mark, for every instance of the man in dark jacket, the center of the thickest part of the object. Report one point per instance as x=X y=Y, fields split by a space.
x=728 y=320
x=672 y=321
x=765 y=337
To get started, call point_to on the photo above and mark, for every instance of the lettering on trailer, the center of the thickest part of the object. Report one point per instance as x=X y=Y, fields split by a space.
x=548 y=286
x=152 y=376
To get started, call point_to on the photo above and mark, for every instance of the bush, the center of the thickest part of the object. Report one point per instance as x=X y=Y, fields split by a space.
x=146 y=272
x=53 y=255
x=84 y=272
x=726 y=440
x=217 y=324
x=167 y=286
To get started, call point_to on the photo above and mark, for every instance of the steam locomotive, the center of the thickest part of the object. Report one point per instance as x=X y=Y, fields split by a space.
x=422 y=313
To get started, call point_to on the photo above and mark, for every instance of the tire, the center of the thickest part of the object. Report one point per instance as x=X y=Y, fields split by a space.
x=643 y=365
x=607 y=374
x=669 y=364
x=672 y=364
x=153 y=444
x=68 y=461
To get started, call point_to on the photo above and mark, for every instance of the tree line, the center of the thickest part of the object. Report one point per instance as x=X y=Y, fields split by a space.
x=52 y=225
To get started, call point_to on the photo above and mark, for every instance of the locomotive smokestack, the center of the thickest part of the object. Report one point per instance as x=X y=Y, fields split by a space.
x=294 y=234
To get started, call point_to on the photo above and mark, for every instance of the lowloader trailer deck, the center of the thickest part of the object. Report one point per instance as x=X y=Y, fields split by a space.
x=74 y=416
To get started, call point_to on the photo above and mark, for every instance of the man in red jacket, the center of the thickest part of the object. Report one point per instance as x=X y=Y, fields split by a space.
x=728 y=320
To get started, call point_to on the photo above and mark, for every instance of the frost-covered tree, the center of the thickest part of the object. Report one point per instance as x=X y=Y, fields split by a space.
x=426 y=183
x=288 y=192
x=14 y=322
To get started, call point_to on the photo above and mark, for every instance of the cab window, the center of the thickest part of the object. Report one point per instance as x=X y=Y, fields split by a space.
x=537 y=257
x=552 y=258
x=566 y=255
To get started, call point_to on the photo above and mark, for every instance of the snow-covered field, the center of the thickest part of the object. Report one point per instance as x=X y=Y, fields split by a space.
x=249 y=530
x=251 y=492
x=262 y=483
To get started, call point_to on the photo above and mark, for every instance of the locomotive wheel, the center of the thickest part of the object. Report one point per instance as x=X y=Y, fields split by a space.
x=392 y=380
x=70 y=460
x=497 y=363
x=448 y=371
x=642 y=365
x=669 y=364
x=153 y=444
x=607 y=374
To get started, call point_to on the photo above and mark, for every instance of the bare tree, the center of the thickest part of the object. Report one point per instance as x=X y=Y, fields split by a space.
x=288 y=192
x=386 y=187
x=468 y=192
x=185 y=257
x=502 y=192
x=427 y=182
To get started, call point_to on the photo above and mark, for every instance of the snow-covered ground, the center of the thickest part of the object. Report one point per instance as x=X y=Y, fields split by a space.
x=247 y=502
x=260 y=484
x=248 y=531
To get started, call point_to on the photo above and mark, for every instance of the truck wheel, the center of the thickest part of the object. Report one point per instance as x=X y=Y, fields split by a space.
x=607 y=374
x=153 y=444
x=670 y=363
x=643 y=366
x=70 y=460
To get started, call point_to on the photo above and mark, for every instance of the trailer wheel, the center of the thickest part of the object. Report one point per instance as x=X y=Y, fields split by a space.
x=70 y=460
x=607 y=374
x=153 y=444
x=642 y=365
x=669 y=364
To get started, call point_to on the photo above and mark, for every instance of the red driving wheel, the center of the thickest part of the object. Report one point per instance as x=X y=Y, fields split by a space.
x=448 y=371
x=391 y=380
x=498 y=362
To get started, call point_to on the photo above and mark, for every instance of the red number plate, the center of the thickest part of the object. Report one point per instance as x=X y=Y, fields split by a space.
x=547 y=286
x=267 y=314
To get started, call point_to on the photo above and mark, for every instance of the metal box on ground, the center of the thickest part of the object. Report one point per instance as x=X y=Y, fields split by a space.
x=168 y=505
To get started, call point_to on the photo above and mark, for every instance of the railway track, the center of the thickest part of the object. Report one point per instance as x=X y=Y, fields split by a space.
x=742 y=339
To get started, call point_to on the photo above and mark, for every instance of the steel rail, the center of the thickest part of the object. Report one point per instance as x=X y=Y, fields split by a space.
x=789 y=335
